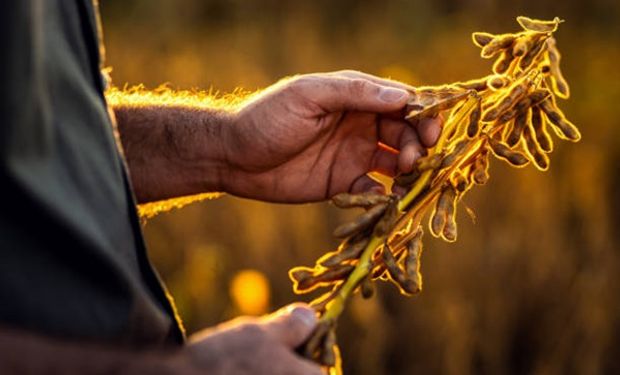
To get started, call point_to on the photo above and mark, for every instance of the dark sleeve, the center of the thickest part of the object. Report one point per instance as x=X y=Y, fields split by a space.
x=72 y=259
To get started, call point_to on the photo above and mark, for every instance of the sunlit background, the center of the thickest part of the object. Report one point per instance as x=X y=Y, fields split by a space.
x=532 y=287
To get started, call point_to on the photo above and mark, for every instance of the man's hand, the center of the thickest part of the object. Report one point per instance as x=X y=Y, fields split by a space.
x=313 y=136
x=303 y=139
x=256 y=346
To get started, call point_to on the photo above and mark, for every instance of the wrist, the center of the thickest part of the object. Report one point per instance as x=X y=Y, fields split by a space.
x=204 y=155
x=231 y=153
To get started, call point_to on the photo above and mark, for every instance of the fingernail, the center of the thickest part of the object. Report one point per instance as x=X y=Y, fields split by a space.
x=391 y=94
x=305 y=315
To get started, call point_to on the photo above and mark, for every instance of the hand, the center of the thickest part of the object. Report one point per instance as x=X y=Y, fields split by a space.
x=253 y=346
x=313 y=136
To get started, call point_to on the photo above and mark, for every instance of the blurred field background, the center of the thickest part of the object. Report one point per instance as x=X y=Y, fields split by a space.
x=531 y=288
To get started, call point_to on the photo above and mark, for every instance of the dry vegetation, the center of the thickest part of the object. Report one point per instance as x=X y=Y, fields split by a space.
x=507 y=114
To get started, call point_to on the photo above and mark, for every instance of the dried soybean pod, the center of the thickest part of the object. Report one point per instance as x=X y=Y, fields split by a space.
x=502 y=151
x=540 y=26
x=558 y=82
x=460 y=182
x=453 y=156
x=391 y=264
x=367 y=287
x=498 y=43
x=498 y=81
x=473 y=126
x=312 y=346
x=535 y=97
x=540 y=129
x=518 y=126
x=413 y=106
x=300 y=274
x=336 y=273
x=438 y=217
x=516 y=92
x=366 y=199
x=563 y=128
x=520 y=46
x=509 y=115
x=412 y=266
x=385 y=224
x=480 y=171
x=328 y=350
x=539 y=158
x=414 y=252
x=306 y=284
x=396 y=273
x=502 y=64
x=522 y=105
x=436 y=107
x=350 y=251
x=481 y=39
x=428 y=97
x=437 y=91
x=526 y=43
x=362 y=222
x=449 y=229
x=506 y=116
x=474 y=84
x=536 y=48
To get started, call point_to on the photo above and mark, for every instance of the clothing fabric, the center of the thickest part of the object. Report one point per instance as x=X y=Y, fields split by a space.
x=73 y=262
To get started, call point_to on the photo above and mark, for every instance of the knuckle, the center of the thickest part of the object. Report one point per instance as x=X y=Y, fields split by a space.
x=252 y=332
x=303 y=80
x=302 y=83
x=358 y=86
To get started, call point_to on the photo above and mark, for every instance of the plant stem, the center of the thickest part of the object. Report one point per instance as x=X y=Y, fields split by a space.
x=335 y=307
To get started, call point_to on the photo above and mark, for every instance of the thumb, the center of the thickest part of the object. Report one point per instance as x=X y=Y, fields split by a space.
x=346 y=94
x=291 y=325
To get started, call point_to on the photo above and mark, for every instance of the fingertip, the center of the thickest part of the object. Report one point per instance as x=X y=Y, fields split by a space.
x=429 y=130
x=408 y=155
x=292 y=324
x=385 y=161
x=304 y=314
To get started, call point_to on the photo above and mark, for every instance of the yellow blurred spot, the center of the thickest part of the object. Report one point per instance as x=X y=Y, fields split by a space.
x=250 y=292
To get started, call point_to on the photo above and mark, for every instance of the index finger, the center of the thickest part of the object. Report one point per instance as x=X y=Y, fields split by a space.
x=375 y=79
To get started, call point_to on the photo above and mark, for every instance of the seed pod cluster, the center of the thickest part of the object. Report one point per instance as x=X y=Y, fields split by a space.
x=506 y=115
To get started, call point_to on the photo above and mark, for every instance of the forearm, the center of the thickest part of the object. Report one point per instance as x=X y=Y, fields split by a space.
x=24 y=354
x=172 y=150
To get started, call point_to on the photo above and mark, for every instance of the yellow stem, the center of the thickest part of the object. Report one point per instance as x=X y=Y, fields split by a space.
x=335 y=307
